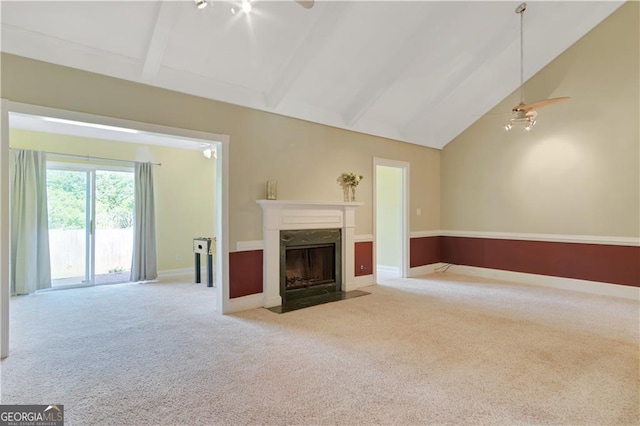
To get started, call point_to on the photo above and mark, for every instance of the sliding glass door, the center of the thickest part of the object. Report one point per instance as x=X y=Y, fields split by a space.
x=113 y=231
x=69 y=208
x=90 y=224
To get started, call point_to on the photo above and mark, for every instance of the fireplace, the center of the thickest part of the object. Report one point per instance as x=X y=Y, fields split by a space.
x=310 y=263
x=293 y=216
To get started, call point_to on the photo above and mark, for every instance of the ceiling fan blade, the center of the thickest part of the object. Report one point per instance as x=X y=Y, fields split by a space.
x=307 y=4
x=539 y=104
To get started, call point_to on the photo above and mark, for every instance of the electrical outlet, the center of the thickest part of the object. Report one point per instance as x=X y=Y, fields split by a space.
x=178 y=257
x=418 y=212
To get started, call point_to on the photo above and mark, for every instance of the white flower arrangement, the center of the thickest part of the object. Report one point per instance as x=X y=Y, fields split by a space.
x=349 y=179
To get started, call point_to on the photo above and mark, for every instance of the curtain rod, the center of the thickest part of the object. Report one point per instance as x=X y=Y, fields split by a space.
x=90 y=157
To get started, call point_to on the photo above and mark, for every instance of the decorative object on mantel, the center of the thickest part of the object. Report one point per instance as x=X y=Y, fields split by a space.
x=349 y=182
x=272 y=190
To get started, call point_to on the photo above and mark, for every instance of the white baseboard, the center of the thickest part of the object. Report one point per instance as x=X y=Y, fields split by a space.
x=592 y=287
x=170 y=273
x=254 y=301
x=185 y=272
x=388 y=269
x=425 y=269
x=271 y=301
x=362 y=281
x=244 y=303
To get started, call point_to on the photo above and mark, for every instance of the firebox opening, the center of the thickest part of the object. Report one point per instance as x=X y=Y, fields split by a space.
x=310 y=263
x=309 y=266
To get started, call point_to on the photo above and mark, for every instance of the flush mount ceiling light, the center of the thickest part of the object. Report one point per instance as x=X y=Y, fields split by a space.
x=247 y=7
x=525 y=114
x=201 y=4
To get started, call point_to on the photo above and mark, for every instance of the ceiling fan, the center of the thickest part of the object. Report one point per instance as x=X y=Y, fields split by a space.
x=526 y=113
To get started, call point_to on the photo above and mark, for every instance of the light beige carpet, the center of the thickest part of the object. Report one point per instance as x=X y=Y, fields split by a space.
x=442 y=349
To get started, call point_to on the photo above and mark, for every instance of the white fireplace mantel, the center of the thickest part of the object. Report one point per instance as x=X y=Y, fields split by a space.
x=281 y=215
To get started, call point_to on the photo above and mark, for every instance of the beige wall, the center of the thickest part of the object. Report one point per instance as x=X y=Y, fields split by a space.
x=304 y=158
x=577 y=172
x=183 y=187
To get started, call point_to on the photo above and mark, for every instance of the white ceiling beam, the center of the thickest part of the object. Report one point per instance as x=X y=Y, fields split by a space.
x=307 y=47
x=399 y=62
x=167 y=17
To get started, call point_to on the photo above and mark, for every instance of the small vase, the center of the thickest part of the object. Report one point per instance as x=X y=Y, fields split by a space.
x=353 y=193
x=272 y=190
x=346 y=193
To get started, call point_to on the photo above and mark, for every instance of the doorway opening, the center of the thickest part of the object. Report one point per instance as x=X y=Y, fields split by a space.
x=147 y=134
x=91 y=214
x=391 y=218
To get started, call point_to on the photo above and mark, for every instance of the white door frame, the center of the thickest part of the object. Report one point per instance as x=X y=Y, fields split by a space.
x=404 y=247
x=221 y=142
x=4 y=229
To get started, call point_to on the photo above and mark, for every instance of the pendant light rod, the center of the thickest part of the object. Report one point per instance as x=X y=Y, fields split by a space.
x=520 y=9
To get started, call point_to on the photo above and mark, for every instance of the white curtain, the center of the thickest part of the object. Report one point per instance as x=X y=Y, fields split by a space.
x=30 y=260
x=144 y=265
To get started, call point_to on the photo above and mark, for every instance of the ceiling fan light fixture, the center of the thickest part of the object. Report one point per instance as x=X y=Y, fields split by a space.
x=527 y=123
x=246 y=6
x=525 y=114
x=201 y=4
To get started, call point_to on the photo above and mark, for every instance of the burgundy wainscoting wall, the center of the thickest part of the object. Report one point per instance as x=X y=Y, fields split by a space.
x=245 y=273
x=593 y=262
x=363 y=257
x=424 y=251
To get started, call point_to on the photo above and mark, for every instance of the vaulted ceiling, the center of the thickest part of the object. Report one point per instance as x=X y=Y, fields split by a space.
x=415 y=71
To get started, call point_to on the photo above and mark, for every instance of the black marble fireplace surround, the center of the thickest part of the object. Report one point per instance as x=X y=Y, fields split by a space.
x=310 y=263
